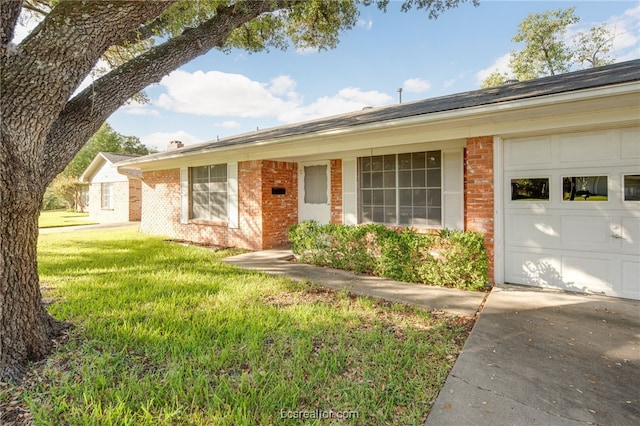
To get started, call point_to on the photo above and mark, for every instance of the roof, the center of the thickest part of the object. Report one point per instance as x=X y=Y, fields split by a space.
x=110 y=157
x=624 y=72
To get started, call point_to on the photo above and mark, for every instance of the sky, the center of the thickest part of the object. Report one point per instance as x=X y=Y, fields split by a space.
x=225 y=94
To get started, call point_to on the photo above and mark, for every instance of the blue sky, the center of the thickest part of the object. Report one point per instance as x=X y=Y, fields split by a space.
x=222 y=94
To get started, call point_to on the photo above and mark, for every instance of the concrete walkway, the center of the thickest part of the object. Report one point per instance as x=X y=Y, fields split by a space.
x=534 y=357
x=453 y=301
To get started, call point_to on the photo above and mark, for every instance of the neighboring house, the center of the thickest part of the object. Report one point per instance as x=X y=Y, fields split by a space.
x=547 y=170
x=114 y=195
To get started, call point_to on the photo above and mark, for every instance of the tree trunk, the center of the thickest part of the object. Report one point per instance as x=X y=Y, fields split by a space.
x=26 y=329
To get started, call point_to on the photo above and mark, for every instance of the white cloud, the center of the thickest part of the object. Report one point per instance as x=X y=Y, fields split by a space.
x=367 y=24
x=416 y=85
x=160 y=140
x=501 y=65
x=229 y=124
x=233 y=95
x=220 y=94
x=346 y=100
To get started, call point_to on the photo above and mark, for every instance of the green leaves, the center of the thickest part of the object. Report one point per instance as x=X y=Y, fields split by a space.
x=547 y=51
x=448 y=259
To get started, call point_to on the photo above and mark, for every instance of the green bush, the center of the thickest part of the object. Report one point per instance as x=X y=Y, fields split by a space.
x=449 y=258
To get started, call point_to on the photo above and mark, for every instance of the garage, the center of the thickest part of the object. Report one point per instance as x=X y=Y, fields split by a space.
x=572 y=211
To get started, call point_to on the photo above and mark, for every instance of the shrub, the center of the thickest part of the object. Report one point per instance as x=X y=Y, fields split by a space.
x=449 y=258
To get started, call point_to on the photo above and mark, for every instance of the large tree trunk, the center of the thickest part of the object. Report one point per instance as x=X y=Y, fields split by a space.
x=41 y=130
x=26 y=329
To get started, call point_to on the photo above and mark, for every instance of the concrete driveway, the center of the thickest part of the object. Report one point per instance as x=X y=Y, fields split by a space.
x=540 y=357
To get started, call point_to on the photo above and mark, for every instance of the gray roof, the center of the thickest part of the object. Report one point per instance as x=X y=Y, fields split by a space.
x=116 y=158
x=623 y=72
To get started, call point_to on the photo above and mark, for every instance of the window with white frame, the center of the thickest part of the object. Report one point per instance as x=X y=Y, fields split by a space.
x=208 y=190
x=106 y=196
x=401 y=189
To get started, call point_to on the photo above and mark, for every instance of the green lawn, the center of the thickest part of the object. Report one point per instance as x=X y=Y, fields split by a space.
x=57 y=218
x=167 y=334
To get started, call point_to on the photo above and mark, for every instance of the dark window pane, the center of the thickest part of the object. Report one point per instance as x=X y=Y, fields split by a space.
x=365 y=164
x=376 y=163
x=419 y=216
x=433 y=159
x=417 y=160
x=404 y=179
x=405 y=215
x=390 y=162
x=376 y=180
x=367 y=214
x=433 y=178
x=405 y=197
x=531 y=189
x=434 y=197
x=365 y=180
x=632 y=187
x=419 y=197
x=378 y=197
x=390 y=215
x=585 y=188
x=390 y=197
x=366 y=197
x=419 y=179
x=404 y=161
x=389 y=179
x=434 y=216
x=378 y=214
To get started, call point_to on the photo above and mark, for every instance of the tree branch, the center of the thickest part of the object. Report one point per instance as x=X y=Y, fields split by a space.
x=83 y=115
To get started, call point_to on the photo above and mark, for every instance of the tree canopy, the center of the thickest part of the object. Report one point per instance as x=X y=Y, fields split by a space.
x=546 y=50
x=44 y=122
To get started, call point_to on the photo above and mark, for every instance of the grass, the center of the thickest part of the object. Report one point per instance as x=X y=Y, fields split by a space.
x=167 y=334
x=58 y=218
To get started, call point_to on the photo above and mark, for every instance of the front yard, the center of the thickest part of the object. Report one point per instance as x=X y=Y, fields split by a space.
x=168 y=334
x=57 y=218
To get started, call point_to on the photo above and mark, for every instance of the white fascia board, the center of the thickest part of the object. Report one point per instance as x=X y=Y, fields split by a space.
x=95 y=165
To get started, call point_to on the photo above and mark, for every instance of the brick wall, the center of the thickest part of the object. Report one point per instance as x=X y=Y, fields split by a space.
x=336 y=191
x=478 y=189
x=263 y=217
x=135 y=199
x=278 y=211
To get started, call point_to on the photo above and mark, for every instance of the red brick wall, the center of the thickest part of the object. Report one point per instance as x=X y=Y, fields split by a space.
x=135 y=199
x=478 y=189
x=263 y=218
x=336 y=191
x=278 y=211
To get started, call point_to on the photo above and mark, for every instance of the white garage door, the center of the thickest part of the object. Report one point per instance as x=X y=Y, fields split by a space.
x=572 y=212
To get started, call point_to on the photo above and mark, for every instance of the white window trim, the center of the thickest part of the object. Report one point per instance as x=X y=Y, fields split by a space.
x=232 y=195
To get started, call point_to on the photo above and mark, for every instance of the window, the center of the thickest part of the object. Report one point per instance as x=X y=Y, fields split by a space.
x=529 y=189
x=402 y=189
x=208 y=189
x=585 y=188
x=106 y=196
x=632 y=187
x=315 y=185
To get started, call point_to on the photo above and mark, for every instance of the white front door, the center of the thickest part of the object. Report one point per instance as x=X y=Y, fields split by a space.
x=572 y=212
x=314 y=202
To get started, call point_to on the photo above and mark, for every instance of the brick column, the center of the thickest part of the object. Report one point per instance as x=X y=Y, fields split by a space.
x=336 y=191
x=478 y=190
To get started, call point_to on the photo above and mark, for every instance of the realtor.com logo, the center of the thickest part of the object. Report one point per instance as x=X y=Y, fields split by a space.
x=319 y=414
